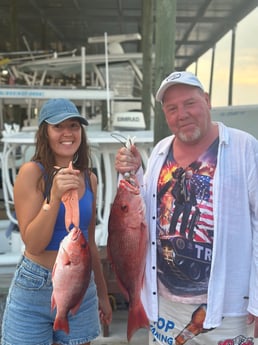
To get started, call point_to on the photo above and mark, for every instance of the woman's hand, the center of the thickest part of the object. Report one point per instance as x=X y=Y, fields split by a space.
x=128 y=160
x=65 y=179
x=105 y=311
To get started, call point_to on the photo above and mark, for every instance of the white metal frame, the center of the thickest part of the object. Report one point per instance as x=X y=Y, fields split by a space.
x=103 y=150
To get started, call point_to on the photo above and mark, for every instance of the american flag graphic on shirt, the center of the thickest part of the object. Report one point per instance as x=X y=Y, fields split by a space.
x=185 y=223
x=204 y=196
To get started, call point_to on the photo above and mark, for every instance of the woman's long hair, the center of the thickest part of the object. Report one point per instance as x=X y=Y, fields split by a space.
x=45 y=155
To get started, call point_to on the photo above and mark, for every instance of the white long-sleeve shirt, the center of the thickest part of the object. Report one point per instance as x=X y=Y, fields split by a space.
x=233 y=284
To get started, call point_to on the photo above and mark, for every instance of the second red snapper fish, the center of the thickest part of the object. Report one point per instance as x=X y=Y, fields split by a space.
x=71 y=276
x=127 y=247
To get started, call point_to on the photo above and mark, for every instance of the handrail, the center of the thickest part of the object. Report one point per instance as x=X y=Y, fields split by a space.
x=103 y=150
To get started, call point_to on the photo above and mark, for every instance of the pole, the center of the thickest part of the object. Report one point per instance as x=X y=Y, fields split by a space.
x=164 y=57
x=83 y=79
x=212 y=70
x=147 y=44
x=107 y=83
x=232 y=60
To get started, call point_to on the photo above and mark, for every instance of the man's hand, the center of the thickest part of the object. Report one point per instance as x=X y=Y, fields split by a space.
x=128 y=160
x=253 y=319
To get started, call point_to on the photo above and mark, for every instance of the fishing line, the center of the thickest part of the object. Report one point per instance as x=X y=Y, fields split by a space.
x=116 y=137
x=128 y=141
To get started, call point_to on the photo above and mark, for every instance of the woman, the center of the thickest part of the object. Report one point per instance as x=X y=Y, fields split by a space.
x=28 y=318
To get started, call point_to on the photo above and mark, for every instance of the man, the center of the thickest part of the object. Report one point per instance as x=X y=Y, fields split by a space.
x=201 y=284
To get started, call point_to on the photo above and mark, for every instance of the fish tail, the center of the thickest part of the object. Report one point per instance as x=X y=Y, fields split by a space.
x=137 y=318
x=61 y=324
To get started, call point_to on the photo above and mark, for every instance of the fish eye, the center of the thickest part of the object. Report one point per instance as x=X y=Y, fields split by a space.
x=124 y=208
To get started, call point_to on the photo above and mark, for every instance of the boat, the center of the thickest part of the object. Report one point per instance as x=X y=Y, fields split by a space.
x=101 y=85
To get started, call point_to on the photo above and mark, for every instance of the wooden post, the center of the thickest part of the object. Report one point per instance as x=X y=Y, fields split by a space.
x=212 y=71
x=147 y=44
x=164 y=57
x=13 y=25
x=232 y=60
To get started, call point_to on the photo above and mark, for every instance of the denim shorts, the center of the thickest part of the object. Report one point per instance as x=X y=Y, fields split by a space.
x=28 y=319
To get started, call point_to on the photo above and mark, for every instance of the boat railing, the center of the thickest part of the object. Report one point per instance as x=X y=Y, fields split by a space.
x=19 y=147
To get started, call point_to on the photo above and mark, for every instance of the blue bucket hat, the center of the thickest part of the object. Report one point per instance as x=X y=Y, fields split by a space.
x=57 y=110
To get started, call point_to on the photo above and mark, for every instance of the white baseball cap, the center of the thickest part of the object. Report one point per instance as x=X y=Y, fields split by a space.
x=180 y=77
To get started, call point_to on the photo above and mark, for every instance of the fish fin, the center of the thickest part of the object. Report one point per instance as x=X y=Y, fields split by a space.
x=119 y=283
x=122 y=288
x=77 y=306
x=109 y=257
x=61 y=324
x=66 y=260
x=53 y=302
x=54 y=269
x=137 y=318
x=124 y=292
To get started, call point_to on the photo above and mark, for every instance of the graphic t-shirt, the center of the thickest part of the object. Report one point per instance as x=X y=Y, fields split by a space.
x=185 y=226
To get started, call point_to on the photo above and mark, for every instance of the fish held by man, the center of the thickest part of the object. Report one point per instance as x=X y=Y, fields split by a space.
x=127 y=246
x=70 y=277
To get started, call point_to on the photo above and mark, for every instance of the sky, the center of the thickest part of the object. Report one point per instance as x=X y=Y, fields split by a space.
x=245 y=82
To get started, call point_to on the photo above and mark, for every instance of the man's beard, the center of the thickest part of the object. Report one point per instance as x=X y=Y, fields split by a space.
x=196 y=134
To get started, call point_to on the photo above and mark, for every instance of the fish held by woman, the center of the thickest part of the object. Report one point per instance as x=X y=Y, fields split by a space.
x=72 y=270
x=70 y=276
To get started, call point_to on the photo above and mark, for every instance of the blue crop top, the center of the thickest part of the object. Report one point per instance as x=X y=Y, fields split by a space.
x=85 y=207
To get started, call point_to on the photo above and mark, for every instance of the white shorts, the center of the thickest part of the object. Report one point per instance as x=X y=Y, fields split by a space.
x=171 y=328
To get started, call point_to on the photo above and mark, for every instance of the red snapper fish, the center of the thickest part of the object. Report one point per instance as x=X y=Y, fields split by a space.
x=70 y=277
x=127 y=247
x=72 y=268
